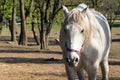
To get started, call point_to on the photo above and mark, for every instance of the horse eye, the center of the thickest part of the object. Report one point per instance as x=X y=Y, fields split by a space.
x=82 y=30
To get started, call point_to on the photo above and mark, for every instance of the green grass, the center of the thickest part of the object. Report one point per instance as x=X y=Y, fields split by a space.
x=56 y=26
x=116 y=24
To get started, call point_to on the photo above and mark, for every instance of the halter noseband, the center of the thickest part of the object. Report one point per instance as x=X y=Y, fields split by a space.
x=76 y=51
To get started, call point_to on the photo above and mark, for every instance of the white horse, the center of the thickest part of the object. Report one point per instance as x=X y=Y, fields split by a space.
x=85 y=40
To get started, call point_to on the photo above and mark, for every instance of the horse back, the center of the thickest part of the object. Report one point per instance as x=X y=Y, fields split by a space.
x=106 y=29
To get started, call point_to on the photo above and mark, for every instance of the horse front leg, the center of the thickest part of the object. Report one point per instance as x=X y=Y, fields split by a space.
x=70 y=72
x=105 y=69
x=92 y=72
x=80 y=74
x=92 y=75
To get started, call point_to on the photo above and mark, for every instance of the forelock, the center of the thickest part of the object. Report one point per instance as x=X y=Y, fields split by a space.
x=75 y=16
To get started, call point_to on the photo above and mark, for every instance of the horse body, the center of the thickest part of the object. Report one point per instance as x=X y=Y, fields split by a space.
x=85 y=41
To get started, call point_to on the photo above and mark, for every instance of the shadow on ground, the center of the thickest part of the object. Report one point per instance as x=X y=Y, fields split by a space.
x=22 y=49
x=40 y=60
x=17 y=51
x=110 y=78
x=114 y=62
x=115 y=40
x=14 y=60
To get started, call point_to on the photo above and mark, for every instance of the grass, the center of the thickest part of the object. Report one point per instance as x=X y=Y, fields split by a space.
x=56 y=26
x=116 y=24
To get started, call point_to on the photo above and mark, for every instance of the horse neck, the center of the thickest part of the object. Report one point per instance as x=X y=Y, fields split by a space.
x=92 y=26
x=92 y=21
x=96 y=28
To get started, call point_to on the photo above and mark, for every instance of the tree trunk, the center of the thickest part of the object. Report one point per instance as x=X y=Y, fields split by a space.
x=42 y=27
x=49 y=26
x=13 y=32
x=1 y=20
x=35 y=34
x=23 y=35
x=41 y=34
x=0 y=28
x=10 y=27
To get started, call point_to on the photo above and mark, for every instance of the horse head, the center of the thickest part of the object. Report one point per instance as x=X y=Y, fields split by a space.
x=74 y=34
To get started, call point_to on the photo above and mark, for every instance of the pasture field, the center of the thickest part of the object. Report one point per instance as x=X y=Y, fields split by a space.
x=29 y=63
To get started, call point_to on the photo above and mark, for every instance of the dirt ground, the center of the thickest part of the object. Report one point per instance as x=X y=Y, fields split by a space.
x=31 y=63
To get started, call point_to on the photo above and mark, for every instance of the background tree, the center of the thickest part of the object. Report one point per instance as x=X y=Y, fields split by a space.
x=35 y=15
x=2 y=12
x=13 y=26
x=109 y=8
x=106 y=7
x=23 y=35
x=24 y=15
x=5 y=13
x=48 y=11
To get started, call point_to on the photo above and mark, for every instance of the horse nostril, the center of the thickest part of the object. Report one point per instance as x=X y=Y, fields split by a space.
x=68 y=60
x=76 y=60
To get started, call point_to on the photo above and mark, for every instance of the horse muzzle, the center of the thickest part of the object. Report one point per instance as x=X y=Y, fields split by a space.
x=72 y=62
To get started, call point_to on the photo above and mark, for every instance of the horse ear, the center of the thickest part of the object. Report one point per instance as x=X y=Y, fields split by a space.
x=85 y=10
x=65 y=10
x=82 y=7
